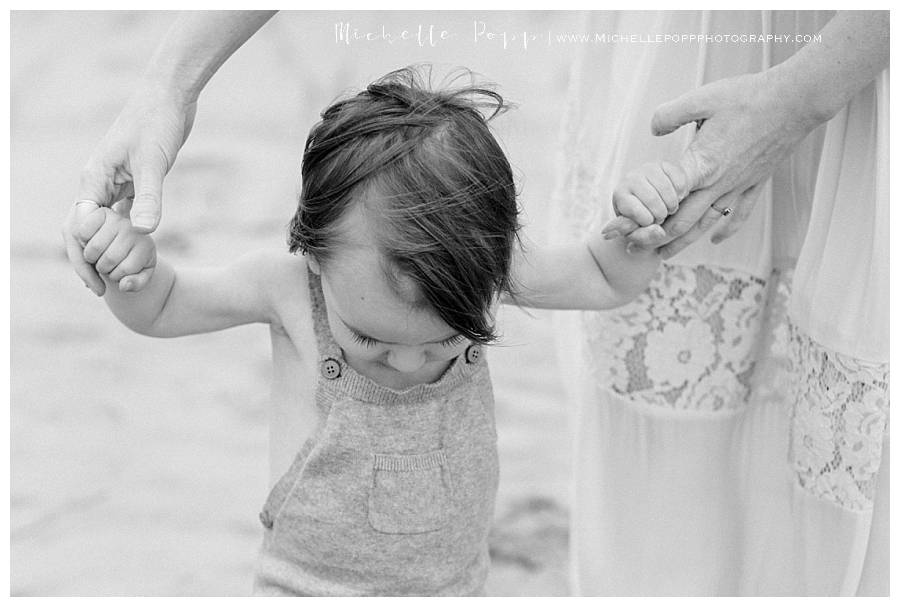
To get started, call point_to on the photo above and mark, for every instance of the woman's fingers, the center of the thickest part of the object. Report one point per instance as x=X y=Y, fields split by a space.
x=148 y=184
x=75 y=247
x=83 y=269
x=670 y=116
x=742 y=209
x=97 y=183
x=689 y=213
x=709 y=215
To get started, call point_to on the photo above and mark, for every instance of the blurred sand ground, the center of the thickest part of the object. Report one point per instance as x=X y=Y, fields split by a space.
x=138 y=466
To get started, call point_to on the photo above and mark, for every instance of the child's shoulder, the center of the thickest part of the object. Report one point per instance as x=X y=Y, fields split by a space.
x=275 y=261
x=276 y=269
x=283 y=277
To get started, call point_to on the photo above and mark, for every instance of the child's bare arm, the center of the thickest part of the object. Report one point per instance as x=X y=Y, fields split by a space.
x=172 y=303
x=598 y=272
x=189 y=301
x=594 y=274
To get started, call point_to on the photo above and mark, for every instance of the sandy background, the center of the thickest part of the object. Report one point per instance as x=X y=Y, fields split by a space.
x=138 y=466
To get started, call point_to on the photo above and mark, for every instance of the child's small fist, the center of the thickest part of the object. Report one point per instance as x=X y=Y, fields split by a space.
x=651 y=193
x=90 y=218
x=117 y=251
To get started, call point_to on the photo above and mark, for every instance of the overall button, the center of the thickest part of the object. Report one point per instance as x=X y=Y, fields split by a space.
x=473 y=353
x=331 y=369
x=266 y=519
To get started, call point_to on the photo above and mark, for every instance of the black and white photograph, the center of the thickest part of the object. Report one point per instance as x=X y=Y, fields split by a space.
x=506 y=303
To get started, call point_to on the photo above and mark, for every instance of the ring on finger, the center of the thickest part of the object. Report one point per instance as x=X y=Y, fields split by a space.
x=725 y=212
x=86 y=201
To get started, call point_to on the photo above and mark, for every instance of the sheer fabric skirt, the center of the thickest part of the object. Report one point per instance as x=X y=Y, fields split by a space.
x=731 y=424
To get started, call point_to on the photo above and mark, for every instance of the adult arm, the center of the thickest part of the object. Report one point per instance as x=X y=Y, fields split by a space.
x=752 y=122
x=141 y=146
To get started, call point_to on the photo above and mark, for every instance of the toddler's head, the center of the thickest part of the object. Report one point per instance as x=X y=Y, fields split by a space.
x=408 y=212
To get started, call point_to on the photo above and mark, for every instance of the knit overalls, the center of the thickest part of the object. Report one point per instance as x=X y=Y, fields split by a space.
x=393 y=493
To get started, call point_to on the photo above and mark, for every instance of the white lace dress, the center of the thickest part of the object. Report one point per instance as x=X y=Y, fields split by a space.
x=731 y=423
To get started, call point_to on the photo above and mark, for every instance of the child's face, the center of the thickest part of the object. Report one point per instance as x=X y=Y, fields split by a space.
x=372 y=323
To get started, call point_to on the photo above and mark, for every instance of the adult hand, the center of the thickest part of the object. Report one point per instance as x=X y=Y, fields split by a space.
x=750 y=123
x=748 y=128
x=131 y=162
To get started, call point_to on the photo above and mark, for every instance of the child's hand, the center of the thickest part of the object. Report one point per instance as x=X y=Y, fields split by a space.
x=646 y=196
x=118 y=251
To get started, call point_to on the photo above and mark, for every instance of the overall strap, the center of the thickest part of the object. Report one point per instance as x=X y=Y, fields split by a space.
x=324 y=341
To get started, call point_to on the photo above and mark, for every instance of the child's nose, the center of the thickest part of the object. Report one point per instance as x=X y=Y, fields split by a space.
x=406 y=360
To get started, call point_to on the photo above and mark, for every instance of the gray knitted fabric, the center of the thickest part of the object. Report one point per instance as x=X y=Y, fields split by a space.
x=394 y=492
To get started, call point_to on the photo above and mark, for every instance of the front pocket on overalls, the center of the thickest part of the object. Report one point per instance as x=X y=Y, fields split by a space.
x=410 y=493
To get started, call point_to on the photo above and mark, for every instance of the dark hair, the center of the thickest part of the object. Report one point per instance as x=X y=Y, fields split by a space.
x=446 y=214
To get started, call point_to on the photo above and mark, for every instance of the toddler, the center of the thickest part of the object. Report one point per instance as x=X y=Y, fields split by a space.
x=406 y=231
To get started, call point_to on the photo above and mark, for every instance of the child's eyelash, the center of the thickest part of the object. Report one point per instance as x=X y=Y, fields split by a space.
x=368 y=342
x=365 y=341
x=452 y=341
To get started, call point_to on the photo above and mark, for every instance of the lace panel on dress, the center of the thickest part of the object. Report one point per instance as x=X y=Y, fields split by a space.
x=839 y=420
x=691 y=341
